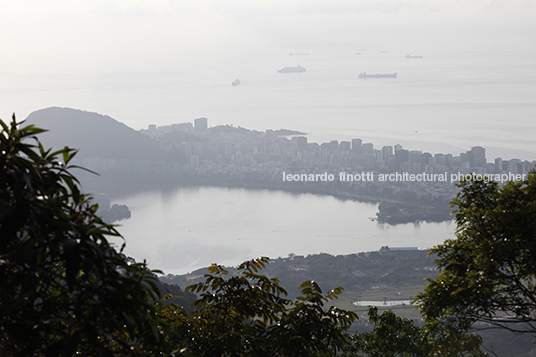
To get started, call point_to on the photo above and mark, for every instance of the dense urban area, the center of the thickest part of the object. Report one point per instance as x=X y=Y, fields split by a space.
x=410 y=185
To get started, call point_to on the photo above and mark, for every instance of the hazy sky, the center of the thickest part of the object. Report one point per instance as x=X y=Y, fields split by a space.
x=128 y=59
x=109 y=35
x=138 y=60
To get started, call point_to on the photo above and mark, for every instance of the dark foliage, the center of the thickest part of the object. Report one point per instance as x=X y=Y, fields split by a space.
x=488 y=272
x=248 y=315
x=64 y=288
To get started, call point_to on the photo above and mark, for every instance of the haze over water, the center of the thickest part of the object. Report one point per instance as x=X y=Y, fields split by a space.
x=165 y=62
x=168 y=62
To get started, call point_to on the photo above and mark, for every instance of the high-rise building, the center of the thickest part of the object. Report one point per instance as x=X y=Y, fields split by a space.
x=415 y=155
x=356 y=145
x=301 y=141
x=498 y=165
x=477 y=156
x=201 y=124
x=367 y=148
x=515 y=167
x=401 y=156
x=427 y=159
x=334 y=145
x=440 y=159
x=344 y=146
x=387 y=152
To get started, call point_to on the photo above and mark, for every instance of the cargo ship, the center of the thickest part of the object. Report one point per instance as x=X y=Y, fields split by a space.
x=377 y=75
x=291 y=69
x=409 y=56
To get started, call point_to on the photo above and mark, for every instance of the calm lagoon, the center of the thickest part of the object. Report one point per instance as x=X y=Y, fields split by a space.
x=187 y=228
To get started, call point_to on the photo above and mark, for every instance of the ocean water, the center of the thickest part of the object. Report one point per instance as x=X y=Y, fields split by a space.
x=473 y=86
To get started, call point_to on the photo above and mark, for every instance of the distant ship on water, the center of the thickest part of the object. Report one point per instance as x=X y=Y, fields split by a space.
x=236 y=82
x=377 y=75
x=409 y=56
x=296 y=69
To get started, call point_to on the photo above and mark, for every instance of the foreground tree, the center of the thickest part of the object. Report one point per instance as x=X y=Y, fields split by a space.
x=488 y=273
x=247 y=315
x=64 y=288
x=394 y=336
